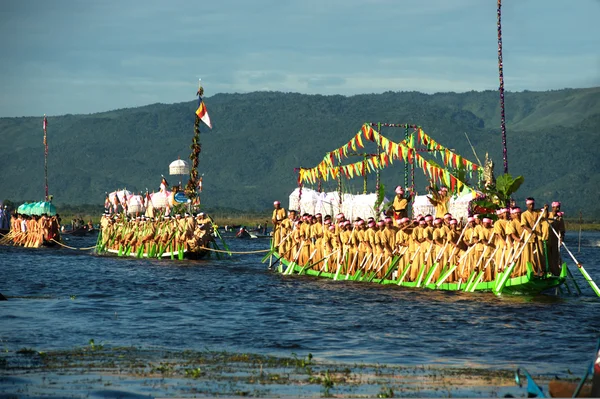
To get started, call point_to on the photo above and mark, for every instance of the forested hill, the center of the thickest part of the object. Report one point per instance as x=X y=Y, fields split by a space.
x=257 y=140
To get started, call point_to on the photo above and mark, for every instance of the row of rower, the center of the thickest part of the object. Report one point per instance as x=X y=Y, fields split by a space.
x=473 y=245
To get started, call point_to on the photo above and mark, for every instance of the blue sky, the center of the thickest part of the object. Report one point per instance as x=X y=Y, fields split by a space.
x=79 y=56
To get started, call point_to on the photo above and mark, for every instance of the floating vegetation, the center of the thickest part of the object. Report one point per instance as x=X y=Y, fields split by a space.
x=91 y=368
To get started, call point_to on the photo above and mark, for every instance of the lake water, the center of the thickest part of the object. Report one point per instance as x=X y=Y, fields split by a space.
x=60 y=299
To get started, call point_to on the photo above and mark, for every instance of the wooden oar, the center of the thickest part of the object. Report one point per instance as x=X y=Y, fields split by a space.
x=435 y=264
x=276 y=247
x=310 y=265
x=350 y=264
x=474 y=271
x=424 y=265
x=371 y=267
x=363 y=264
x=462 y=264
x=445 y=276
x=337 y=272
x=573 y=281
x=480 y=276
x=290 y=267
x=409 y=265
x=579 y=266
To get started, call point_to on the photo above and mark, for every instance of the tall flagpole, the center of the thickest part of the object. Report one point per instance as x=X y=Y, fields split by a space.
x=501 y=88
x=45 y=125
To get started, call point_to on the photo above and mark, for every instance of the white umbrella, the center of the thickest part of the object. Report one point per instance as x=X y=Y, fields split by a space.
x=135 y=204
x=179 y=167
x=160 y=199
x=122 y=195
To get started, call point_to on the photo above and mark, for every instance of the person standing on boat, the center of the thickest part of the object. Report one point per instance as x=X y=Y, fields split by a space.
x=516 y=232
x=439 y=200
x=528 y=220
x=400 y=204
x=276 y=219
x=6 y=217
x=285 y=230
x=500 y=240
x=555 y=220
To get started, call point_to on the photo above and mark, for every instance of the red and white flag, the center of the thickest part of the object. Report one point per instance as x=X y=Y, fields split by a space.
x=203 y=113
x=45 y=122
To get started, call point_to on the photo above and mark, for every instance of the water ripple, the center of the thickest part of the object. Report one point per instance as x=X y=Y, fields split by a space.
x=61 y=299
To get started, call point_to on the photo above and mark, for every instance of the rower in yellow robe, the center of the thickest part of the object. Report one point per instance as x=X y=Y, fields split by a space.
x=456 y=248
x=276 y=219
x=388 y=244
x=286 y=227
x=373 y=249
x=417 y=256
x=517 y=236
x=470 y=238
x=343 y=256
x=500 y=241
x=306 y=249
x=402 y=243
x=331 y=249
x=380 y=243
x=363 y=247
x=528 y=221
x=317 y=232
x=486 y=237
x=440 y=247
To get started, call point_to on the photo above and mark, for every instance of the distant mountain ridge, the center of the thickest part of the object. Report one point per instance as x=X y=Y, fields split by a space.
x=248 y=158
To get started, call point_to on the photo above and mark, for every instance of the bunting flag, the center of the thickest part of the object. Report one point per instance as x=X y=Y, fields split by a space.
x=45 y=123
x=203 y=113
x=447 y=155
x=405 y=151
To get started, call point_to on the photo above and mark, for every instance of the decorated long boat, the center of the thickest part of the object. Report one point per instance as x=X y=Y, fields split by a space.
x=166 y=224
x=160 y=237
x=458 y=240
x=35 y=224
x=463 y=236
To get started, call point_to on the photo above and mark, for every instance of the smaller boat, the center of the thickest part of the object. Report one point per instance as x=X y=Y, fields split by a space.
x=557 y=388
x=243 y=233
x=81 y=231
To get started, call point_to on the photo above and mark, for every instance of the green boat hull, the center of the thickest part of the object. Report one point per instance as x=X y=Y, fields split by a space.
x=527 y=284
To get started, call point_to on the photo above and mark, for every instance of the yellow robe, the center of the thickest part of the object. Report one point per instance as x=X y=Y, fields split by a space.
x=277 y=218
x=538 y=260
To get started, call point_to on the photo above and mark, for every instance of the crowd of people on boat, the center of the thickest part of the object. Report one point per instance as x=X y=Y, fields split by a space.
x=154 y=236
x=32 y=231
x=488 y=243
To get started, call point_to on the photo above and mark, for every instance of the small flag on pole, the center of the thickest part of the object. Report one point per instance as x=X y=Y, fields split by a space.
x=45 y=122
x=203 y=113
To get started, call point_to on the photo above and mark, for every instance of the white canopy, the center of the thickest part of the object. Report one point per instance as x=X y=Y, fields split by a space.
x=352 y=206
x=179 y=167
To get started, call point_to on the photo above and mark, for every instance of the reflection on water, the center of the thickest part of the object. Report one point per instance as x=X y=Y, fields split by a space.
x=60 y=299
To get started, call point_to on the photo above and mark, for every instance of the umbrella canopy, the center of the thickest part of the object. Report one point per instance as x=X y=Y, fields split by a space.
x=179 y=167
x=122 y=195
x=160 y=199
x=37 y=209
x=135 y=204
